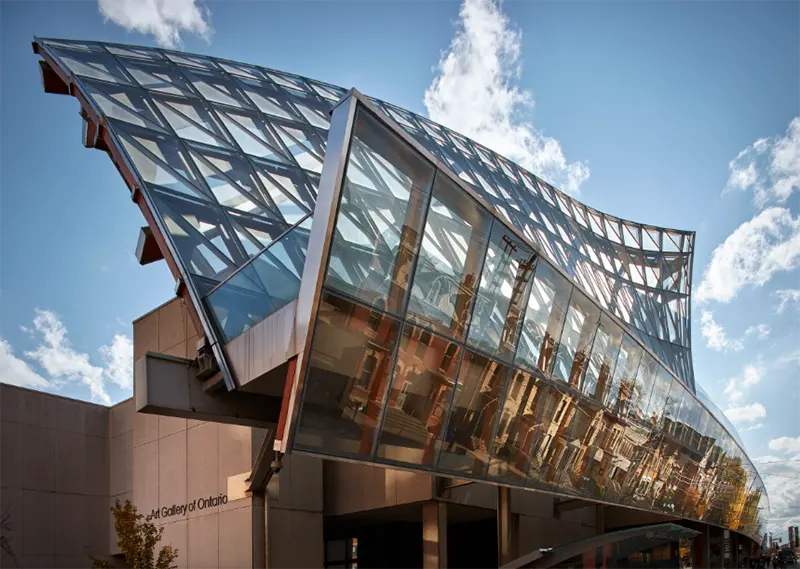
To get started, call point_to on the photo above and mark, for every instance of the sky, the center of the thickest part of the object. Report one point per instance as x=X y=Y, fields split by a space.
x=678 y=114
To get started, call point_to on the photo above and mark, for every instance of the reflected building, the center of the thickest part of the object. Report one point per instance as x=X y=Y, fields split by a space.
x=395 y=294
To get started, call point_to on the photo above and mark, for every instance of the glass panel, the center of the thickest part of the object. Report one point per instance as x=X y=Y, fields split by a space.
x=619 y=393
x=419 y=400
x=607 y=342
x=503 y=291
x=519 y=427
x=349 y=369
x=384 y=194
x=576 y=339
x=651 y=371
x=450 y=259
x=268 y=283
x=467 y=441
x=544 y=319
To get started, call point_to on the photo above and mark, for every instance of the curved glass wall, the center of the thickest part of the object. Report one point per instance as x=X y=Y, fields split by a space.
x=475 y=356
x=444 y=340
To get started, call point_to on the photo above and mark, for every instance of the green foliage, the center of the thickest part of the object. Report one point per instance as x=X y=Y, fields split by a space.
x=138 y=538
x=5 y=539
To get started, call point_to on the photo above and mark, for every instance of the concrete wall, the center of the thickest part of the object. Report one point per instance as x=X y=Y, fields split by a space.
x=54 y=479
x=167 y=329
x=176 y=462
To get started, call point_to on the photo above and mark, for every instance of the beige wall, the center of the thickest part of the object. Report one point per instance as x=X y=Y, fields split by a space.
x=55 y=478
x=176 y=461
x=167 y=329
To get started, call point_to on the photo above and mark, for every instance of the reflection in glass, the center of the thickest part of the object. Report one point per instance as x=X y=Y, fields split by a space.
x=623 y=386
x=607 y=341
x=384 y=194
x=269 y=282
x=476 y=404
x=419 y=399
x=503 y=291
x=544 y=318
x=651 y=372
x=350 y=365
x=453 y=248
x=576 y=339
x=519 y=426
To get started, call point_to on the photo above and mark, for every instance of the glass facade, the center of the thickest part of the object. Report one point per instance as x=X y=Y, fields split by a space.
x=520 y=337
x=486 y=362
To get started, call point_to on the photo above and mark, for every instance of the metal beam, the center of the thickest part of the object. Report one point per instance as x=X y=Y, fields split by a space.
x=166 y=385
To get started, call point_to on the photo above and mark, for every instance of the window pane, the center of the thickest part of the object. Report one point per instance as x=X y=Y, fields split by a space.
x=576 y=339
x=672 y=414
x=651 y=371
x=453 y=248
x=622 y=388
x=419 y=400
x=350 y=363
x=384 y=194
x=544 y=318
x=473 y=418
x=604 y=356
x=519 y=427
x=505 y=282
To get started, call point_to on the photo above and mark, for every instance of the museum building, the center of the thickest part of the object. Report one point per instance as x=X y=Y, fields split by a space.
x=389 y=346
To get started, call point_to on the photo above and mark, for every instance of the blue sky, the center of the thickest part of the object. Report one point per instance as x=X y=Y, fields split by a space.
x=675 y=114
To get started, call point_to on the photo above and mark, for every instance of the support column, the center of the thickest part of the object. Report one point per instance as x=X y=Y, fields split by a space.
x=505 y=531
x=434 y=535
x=259 y=529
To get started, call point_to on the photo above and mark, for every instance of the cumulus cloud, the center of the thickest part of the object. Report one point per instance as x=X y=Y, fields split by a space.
x=755 y=427
x=786 y=298
x=166 y=20
x=751 y=255
x=17 y=372
x=738 y=386
x=715 y=336
x=475 y=92
x=770 y=167
x=780 y=474
x=746 y=413
x=785 y=444
x=63 y=364
x=119 y=361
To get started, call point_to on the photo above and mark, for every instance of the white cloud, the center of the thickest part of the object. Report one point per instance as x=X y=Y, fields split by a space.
x=164 y=19
x=785 y=444
x=746 y=413
x=17 y=372
x=760 y=331
x=60 y=361
x=780 y=475
x=786 y=297
x=63 y=364
x=770 y=167
x=738 y=386
x=715 y=336
x=119 y=361
x=475 y=92
x=755 y=427
x=756 y=250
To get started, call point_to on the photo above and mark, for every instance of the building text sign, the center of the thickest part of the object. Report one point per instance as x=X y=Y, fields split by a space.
x=182 y=509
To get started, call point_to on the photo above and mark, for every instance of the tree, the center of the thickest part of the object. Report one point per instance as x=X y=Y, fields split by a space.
x=138 y=538
x=5 y=540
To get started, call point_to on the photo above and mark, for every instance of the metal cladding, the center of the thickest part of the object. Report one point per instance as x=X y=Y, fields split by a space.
x=473 y=320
